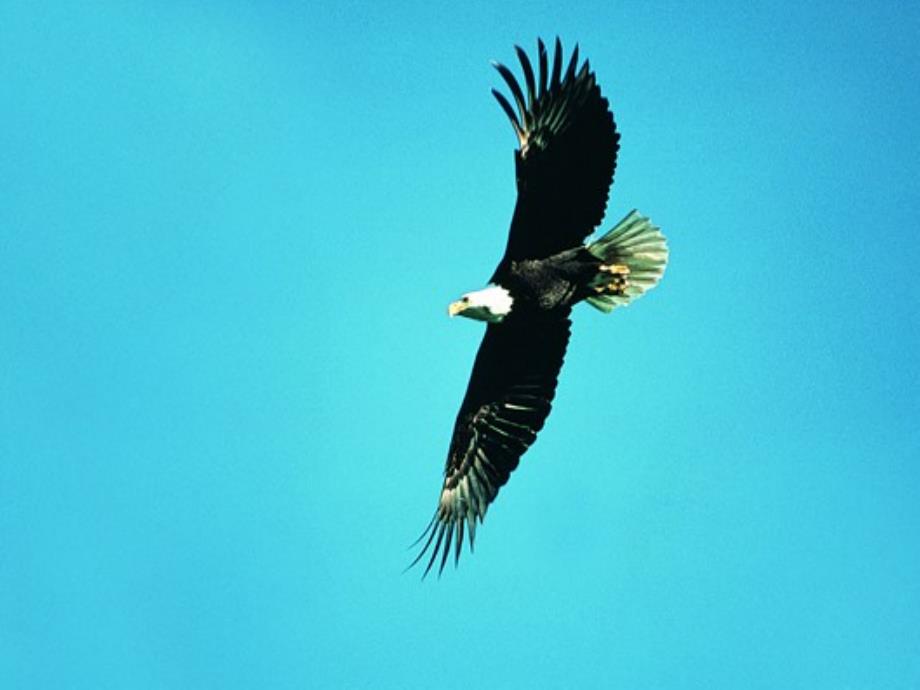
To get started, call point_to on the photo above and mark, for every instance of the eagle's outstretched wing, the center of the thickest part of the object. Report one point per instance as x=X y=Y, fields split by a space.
x=507 y=401
x=568 y=151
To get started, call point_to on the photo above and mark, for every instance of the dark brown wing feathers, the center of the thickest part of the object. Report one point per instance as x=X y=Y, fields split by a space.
x=507 y=401
x=566 y=158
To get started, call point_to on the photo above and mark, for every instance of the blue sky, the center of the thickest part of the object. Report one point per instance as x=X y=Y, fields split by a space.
x=228 y=237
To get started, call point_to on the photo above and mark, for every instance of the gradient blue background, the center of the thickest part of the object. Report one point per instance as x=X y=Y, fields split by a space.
x=228 y=236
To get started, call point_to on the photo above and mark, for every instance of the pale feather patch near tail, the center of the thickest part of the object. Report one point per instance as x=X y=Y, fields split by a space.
x=637 y=244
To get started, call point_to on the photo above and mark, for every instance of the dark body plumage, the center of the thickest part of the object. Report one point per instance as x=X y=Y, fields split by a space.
x=564 y=166
x=551 y=284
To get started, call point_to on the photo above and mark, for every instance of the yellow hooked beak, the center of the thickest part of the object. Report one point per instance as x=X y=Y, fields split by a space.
x=457 y=307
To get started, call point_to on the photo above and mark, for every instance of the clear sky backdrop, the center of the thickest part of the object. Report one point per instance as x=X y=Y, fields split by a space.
x=228 y=236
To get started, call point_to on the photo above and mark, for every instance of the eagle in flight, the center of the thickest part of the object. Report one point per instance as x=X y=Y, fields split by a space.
x=564 y=164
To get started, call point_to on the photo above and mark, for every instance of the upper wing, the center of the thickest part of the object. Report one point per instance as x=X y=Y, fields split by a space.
x=507 y=401
x=568 y=150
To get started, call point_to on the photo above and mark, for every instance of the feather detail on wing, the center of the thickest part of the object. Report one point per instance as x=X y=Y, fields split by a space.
x=568 y=148
x=507 y=402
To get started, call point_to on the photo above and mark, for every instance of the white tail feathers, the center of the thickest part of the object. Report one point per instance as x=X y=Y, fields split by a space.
x=639 y=246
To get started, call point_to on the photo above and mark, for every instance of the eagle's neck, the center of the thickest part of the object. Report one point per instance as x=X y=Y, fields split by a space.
x=498 y=299
x=493 y=303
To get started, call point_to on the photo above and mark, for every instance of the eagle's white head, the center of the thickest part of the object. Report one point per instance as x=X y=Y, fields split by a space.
x=491 y=304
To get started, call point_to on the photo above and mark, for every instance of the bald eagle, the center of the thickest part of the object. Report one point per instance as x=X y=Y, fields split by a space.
x=564 y=164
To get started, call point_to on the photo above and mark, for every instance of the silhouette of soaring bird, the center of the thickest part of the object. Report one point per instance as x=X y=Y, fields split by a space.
x=564 y=164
